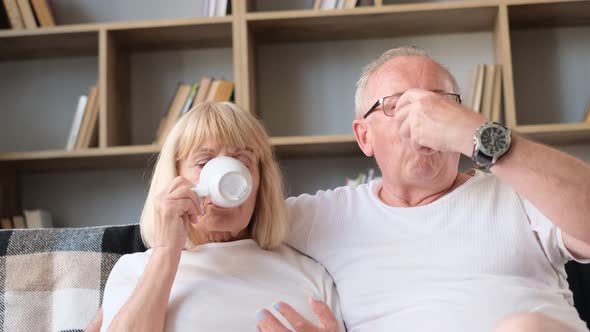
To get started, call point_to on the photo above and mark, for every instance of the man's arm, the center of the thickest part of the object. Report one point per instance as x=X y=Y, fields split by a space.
x=557 y=184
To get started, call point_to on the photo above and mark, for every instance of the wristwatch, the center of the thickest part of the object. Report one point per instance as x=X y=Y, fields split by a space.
x=491 y=141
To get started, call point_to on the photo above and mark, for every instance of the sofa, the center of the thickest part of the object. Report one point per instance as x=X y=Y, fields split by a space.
x=53 y=279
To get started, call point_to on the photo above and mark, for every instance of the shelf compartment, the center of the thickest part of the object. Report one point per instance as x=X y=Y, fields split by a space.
x=80 y=40
x=173 y=34
x=547 y=14
x=373 y=22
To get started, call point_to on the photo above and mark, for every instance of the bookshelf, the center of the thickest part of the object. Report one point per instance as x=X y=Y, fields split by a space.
x=246 y=39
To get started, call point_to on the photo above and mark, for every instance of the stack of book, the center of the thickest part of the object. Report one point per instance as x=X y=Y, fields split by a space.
x=31 y=219
x=216 y=7
x=334 y=4
x=84 y=129
x=188 y=95
x=25 y=14
x=485 y=94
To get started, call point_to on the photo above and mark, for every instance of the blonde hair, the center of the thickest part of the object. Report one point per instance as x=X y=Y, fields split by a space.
x=373 y=67
x=227 y=125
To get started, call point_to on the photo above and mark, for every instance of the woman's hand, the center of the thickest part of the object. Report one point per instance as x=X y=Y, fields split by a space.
x=269 y=323
x=175 y=208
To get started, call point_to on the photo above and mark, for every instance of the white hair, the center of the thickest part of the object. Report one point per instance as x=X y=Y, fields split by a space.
x=374 y=66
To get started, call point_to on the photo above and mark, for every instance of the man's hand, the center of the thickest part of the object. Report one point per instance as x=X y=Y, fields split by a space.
x=429 y=121
x=269 y=323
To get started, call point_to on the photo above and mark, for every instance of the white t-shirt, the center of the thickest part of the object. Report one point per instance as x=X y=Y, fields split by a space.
x=461 y=263
x=221 y=286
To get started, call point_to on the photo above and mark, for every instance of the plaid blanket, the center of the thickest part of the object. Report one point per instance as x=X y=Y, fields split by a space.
x=54 y=279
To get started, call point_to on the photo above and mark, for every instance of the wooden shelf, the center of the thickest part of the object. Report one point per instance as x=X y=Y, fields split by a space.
x=82 y=39
x=373 y=22
x=173 y=34
x=74 y=40
x=144 y=156
x=288 y=147
x=559 y=133
x=549 y=14
x=95 y=158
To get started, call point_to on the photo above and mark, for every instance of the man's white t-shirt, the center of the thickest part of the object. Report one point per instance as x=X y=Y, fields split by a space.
x=461 y=263
x=222 y=286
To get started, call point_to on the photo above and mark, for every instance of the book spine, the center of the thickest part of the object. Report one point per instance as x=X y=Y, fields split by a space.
x=14 y=15
x=76 y=123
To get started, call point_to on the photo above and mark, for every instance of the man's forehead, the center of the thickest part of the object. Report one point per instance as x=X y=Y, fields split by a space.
x=402 y=73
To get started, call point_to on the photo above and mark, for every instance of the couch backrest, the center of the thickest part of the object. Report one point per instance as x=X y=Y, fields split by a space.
x=53 y=279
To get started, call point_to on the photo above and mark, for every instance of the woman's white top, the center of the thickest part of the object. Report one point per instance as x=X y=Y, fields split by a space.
x=222 y=286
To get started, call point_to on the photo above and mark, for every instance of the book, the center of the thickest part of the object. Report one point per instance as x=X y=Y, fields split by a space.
x=19 y=222
x=317 y=4
x=90 y=128
x=587 y=115
x=478 y=89
x=4 y=22
x=221 y=90
x=174 y=111
x=497 y=94
x=488 y=86
x=86 y=118
x=472 y=86
x=75 y=129
x=339 y=4
x=203 y=91
x=189 y=100
x=328 y=4
x=38 y=219
x=211 y=7
x=43 y=13
x=27 y=13
x=221 y=7
x=6 y=223
x=350 y=4
x=14 y=15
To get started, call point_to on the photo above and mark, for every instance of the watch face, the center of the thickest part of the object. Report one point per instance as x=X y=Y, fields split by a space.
x=494 y=141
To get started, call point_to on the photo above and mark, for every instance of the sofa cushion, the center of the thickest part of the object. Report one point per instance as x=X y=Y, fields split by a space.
x=53 y=279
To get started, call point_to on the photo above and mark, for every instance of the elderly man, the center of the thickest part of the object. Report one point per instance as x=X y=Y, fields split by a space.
x=429 y=248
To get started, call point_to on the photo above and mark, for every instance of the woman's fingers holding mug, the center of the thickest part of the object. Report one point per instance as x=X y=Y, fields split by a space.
x=185 y=192
x=178 y=182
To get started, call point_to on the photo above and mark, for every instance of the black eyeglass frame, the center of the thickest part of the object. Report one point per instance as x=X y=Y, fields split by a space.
x=381 y=100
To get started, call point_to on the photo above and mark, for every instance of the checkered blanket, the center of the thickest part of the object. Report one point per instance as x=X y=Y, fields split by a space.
x=54 y=279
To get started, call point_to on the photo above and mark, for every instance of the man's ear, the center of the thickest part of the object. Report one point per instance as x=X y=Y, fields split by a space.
x=363 y=135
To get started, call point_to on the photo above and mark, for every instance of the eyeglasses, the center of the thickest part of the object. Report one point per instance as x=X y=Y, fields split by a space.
x=388 y=103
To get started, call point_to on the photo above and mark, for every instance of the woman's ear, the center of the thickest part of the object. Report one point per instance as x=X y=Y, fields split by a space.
x=363 y=134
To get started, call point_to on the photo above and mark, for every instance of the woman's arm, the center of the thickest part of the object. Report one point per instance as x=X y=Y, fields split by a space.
x=94 y=326
x=175 y=208
x=146 y=308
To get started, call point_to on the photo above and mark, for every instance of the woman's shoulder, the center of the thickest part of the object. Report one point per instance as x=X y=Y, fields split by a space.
x=131 y=264
x=297 y=259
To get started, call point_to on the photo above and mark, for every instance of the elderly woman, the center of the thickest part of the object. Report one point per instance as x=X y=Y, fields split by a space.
x=211 y=268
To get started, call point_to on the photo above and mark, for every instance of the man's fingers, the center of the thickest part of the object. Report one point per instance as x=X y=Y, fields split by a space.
x=298 y=322
x=327 y=318
x=267 y=322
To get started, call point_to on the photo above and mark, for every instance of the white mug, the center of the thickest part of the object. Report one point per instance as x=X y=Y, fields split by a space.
x=226 y=181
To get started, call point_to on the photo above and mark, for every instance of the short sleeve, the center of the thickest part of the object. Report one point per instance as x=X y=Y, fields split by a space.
x=119 y=287
x=550 y=236
x=302 y=211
